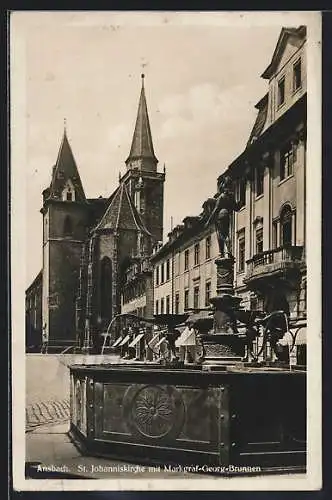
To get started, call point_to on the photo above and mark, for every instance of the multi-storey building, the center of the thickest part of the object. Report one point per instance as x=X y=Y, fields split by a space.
x=268 y=231
x=269 y=178
x=184 y=269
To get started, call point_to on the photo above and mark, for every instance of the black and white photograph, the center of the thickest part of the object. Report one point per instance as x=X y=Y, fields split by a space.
x=165 y=250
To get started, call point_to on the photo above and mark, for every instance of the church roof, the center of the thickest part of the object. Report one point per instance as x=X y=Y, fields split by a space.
x=64 y=170
x=121 y=213
x=285 y=35
x=142 y=146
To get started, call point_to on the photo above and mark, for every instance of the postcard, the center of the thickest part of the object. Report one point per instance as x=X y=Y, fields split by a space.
x=165 y=250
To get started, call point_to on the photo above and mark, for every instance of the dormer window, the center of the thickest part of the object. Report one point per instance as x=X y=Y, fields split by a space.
x=281 y=91
x=68 y=193
x=297 y=76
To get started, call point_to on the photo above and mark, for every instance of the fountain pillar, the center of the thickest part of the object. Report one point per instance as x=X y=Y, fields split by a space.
x=223 y=346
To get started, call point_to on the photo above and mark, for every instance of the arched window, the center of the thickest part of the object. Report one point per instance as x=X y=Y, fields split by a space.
x=67 y=226
x=106 y=288
x=286 y=226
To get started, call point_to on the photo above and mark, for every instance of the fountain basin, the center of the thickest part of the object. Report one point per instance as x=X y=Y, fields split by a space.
x=240 y=417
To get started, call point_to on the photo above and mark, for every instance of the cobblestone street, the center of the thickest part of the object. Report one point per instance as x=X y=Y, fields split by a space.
x=47 y=388
x=47 y=391
x=46 y=412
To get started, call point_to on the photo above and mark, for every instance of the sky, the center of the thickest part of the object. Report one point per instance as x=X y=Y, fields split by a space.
x=202 y=81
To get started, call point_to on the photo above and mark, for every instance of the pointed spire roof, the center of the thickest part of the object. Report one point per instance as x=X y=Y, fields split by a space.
x=121 y=213
x=142 y=146
x=66 y=170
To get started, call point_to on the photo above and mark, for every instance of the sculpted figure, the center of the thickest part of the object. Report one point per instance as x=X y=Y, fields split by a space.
x=220 y=214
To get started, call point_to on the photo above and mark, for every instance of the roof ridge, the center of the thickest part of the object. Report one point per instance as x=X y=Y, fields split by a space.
x=108 y=208
x=131 y=208
x=120 y=206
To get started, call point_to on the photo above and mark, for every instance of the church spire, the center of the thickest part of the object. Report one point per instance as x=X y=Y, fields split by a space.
x=141 y=152
x=65 y=176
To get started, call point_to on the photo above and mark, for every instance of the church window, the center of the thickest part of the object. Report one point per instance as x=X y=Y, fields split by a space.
x=67 y=226
x=106 y=288
x=69 y=195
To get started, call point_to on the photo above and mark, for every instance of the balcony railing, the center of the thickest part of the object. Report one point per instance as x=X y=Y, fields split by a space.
x=274 y=261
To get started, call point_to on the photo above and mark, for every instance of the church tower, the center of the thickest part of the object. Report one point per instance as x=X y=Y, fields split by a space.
x=145 y=183
x=65 y=215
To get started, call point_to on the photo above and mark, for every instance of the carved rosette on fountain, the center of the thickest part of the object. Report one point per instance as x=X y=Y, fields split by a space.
x=223 y=346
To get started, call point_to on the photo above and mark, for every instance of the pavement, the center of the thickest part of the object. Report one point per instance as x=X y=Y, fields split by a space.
x=50 y=452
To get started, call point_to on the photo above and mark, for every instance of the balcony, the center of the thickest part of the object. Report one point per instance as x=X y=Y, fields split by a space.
x=278 y=263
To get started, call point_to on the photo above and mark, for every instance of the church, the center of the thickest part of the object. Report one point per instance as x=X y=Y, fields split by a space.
x=88 y=244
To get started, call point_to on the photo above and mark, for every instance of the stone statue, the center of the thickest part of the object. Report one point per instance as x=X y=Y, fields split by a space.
x=221 y=213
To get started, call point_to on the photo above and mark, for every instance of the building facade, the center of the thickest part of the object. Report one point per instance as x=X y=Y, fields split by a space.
x=269 y=178
x=268 y=232
x=33 y=314
x=184 y=269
